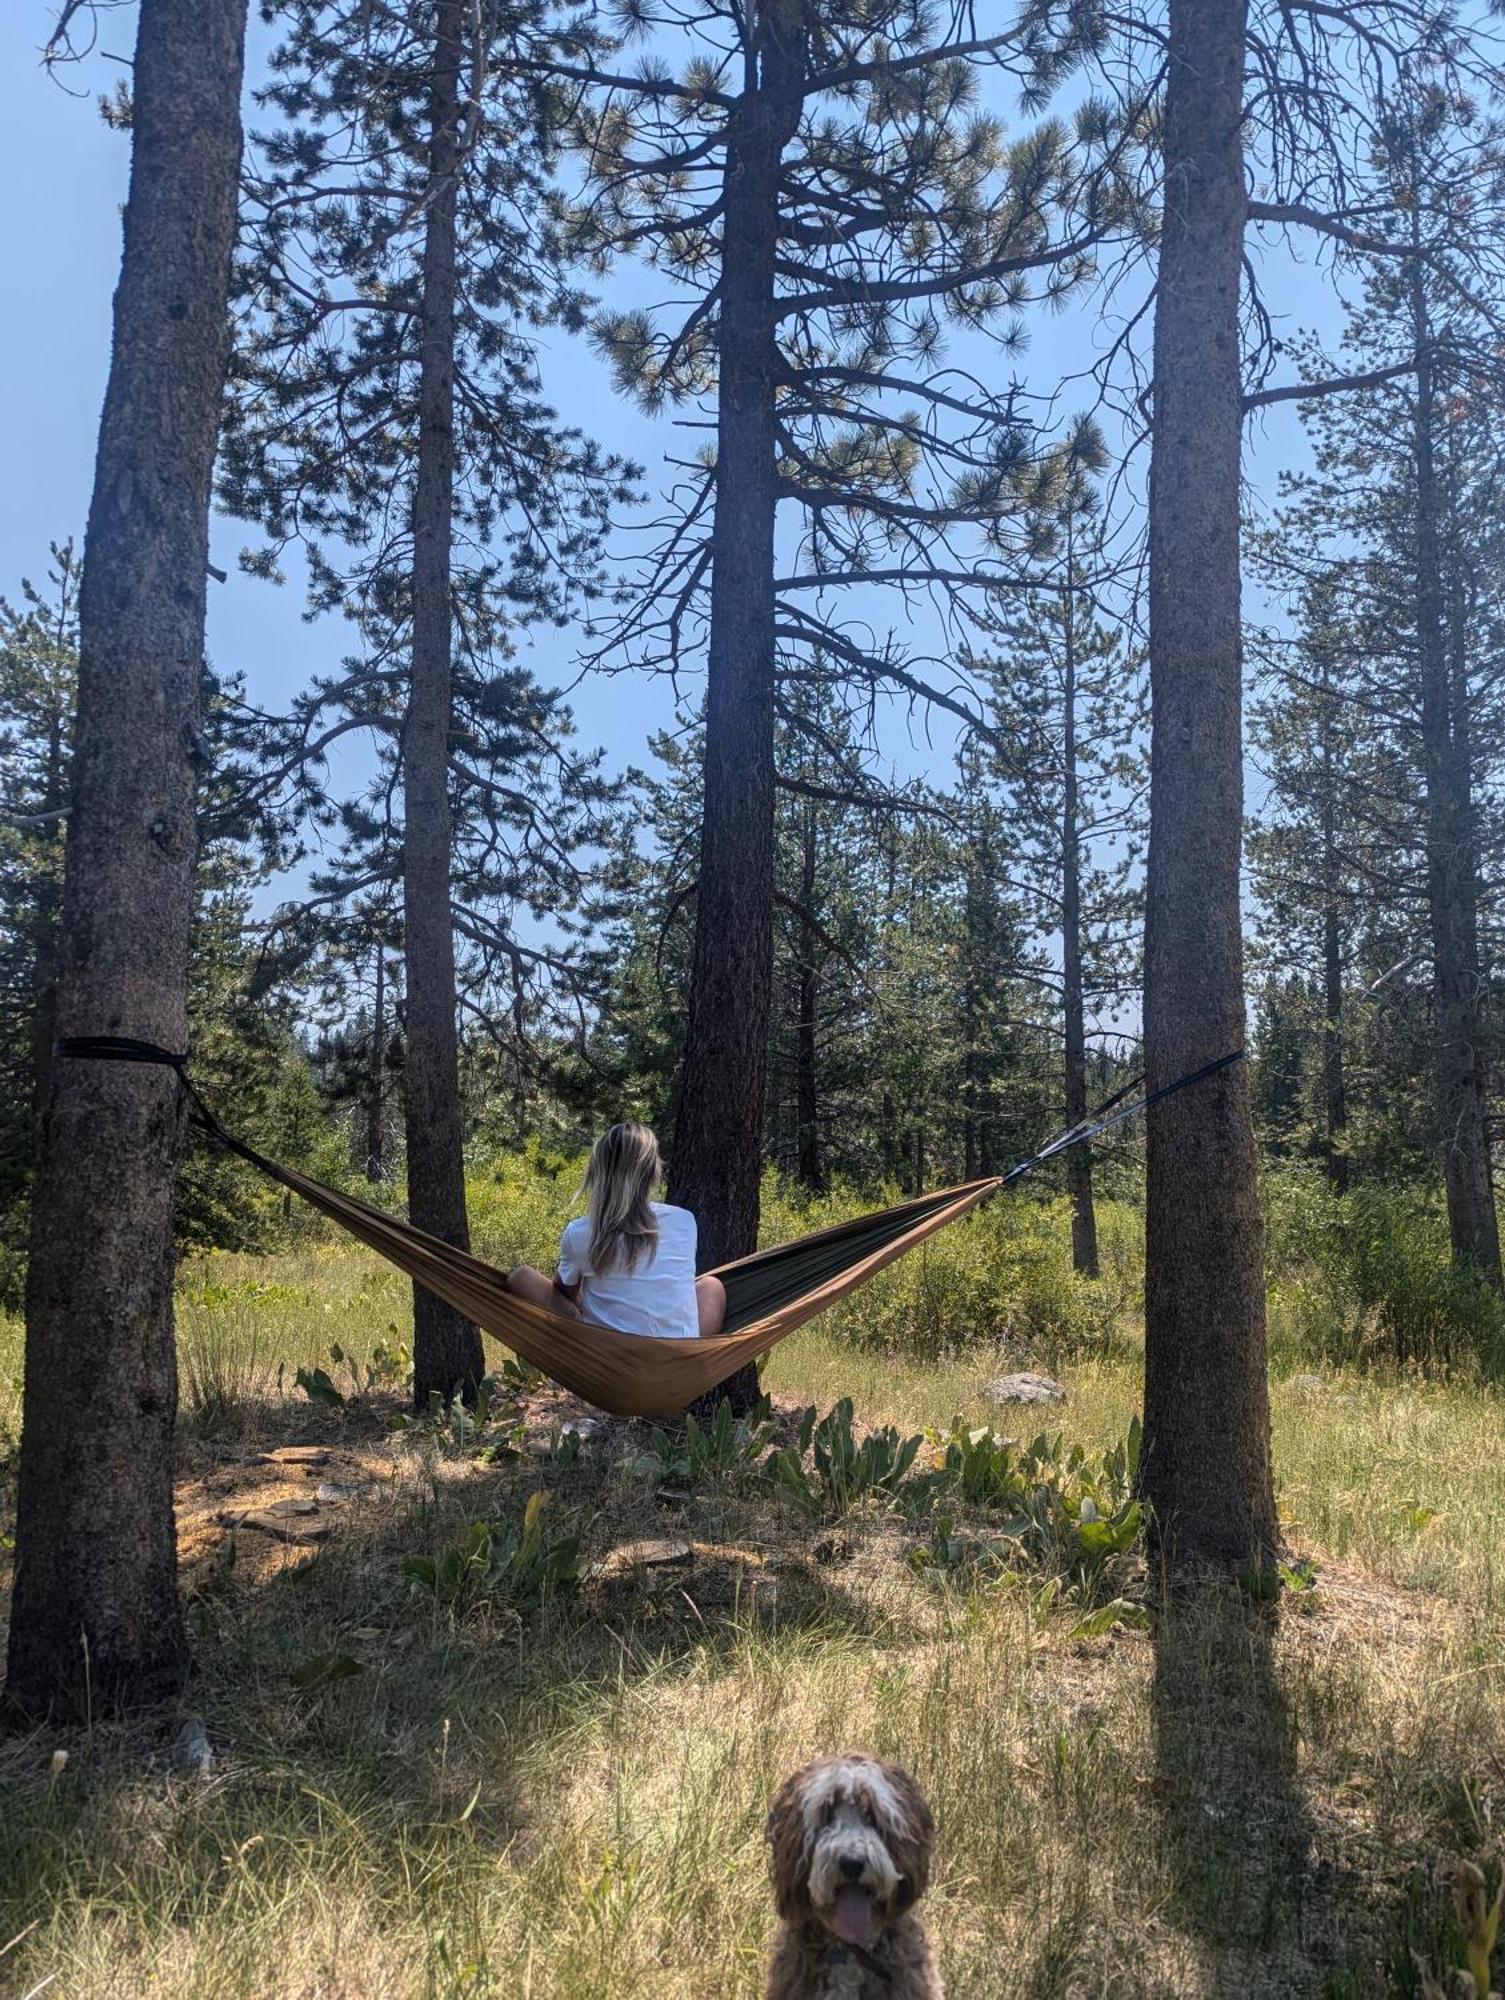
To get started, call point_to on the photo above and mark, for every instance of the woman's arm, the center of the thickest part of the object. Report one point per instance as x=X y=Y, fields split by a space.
x=569 y=1273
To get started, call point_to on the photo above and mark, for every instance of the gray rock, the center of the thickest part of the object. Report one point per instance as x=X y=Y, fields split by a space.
x=192 y=1753
x=281 y=1527
x=1024 y=1389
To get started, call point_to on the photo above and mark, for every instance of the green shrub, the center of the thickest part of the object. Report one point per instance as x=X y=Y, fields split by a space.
x=725 y=1448
x=489 y=1430
x=1049 y=1508
x=1003 y=1275
x=508 y=1567
x=1064 y=1511
x=843 y=1470
x=519 y=1203
x=1366 y=1279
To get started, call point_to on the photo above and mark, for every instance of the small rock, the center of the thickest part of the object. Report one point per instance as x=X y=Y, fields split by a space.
x=628 y=1556
x=281 y=1527
x=334 y=1492
x=286 y=1509
x=192 y=1753
x=1024 y=1389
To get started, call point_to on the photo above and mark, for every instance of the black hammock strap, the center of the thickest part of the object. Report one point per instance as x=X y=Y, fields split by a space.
x=769 y=1293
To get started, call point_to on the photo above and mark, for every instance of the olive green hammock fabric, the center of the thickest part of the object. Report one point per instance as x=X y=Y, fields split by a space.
x=768 y=1294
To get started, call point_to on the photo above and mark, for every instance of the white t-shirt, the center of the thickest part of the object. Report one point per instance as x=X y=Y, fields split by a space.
x=656 y=1298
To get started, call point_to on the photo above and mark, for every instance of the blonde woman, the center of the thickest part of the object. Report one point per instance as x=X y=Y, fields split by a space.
x=628 y=1263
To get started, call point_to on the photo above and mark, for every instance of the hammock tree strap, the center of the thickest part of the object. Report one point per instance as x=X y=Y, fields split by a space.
x=769 y=1294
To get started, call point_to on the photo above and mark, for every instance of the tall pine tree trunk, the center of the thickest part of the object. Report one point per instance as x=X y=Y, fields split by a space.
x=1334 y=1089
x=1452 y=885
x=1079 y=1160
x=376 y=1148
x=46 y=909
x=1334 y=1085
x=807 y=1091
x=717 y=1152
x=447 y=1352
x=95 y=1617
x=1206 y=1468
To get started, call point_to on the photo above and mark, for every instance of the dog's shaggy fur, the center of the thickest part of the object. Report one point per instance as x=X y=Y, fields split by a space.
x=850 y=1840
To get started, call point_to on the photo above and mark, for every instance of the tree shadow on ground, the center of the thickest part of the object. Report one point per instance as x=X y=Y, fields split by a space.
x=425 y=1737
x=1269 y=1912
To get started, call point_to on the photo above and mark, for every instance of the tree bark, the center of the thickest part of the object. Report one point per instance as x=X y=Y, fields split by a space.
x=717 y=1152
x=1452 y=884
x=1334 y=1090
x=807 y=1092
x=95 y=1617
x=1084 y=1255
x=447 y=1351
x=1206 y=1468
x=376 y=1146
x=46 y=910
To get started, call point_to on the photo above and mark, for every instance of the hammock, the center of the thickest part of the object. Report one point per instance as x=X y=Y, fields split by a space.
x=768 y=1294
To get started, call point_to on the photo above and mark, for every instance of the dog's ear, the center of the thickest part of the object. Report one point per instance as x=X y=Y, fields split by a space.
x=911 y=1839
x=785 y=1834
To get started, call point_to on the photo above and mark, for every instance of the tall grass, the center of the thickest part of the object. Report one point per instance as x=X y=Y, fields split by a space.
x=560 y=1794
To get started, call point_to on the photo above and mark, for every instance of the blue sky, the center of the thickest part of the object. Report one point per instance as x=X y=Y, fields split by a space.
x=59 y=238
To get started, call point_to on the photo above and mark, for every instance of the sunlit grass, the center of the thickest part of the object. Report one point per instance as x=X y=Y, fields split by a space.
x=568 y=1802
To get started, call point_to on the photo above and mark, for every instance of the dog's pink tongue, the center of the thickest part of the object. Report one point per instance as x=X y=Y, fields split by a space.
x=854 y=1916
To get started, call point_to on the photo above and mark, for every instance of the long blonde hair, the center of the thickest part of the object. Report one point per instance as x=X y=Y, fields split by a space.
x=624 y=1170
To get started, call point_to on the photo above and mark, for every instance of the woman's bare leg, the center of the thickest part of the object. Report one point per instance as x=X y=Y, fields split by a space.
x=710 y=1300
x=527 y=1283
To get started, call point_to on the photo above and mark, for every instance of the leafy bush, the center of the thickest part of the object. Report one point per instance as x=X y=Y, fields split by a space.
x=1064 y=1511
x=722 y=1449
x=510 y=1567
x=390 y=1367
x=1049 y=1508
x=518 y=1205
x=1366 y=1278
x=490 y=1429
x=1002 y=1275
x=842 y=1470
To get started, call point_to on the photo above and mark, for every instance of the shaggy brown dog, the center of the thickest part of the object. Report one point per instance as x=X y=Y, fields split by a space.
x=851 y=1856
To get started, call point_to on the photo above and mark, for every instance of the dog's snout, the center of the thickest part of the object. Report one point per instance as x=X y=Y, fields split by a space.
x=852 y=1866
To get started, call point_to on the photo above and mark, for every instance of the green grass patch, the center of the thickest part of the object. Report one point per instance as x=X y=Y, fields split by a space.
x=468 y=1748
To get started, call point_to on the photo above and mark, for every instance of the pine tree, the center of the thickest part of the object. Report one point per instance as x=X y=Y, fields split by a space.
x=388 y=418
x=38 y=689
x=1068 y=703
x=819 y=180
x=1291 y=97
x=95 y=1617
x=1399 y=589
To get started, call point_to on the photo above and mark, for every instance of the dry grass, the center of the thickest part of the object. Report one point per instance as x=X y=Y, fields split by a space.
x=568 y=1801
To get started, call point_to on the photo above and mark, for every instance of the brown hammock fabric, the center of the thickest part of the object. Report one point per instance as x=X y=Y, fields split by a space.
x=768 y=1295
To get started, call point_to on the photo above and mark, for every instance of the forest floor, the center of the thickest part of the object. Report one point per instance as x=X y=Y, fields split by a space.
x=456 y=1787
